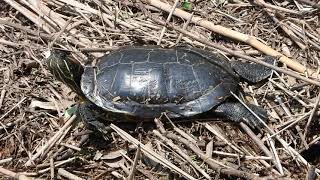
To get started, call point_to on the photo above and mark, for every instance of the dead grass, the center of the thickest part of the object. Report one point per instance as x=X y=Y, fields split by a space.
x=36 y=140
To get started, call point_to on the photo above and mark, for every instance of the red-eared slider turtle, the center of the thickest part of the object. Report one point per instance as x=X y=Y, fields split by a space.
x=147 y=81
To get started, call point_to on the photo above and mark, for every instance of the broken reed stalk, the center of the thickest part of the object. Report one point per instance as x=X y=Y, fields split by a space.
x=68 y=175
x=2 y=161
x=256 y=140
x=311 y=3
x=2 y=94
x=262 y=3
x=55 y=165
x=316 y=105
x=135 y=163
x=13 y=174
x=251 y=40
x=168 y=20
x=11 y=109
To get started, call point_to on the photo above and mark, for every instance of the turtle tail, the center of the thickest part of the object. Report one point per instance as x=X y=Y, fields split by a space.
x=253 y=73
x=65 y=70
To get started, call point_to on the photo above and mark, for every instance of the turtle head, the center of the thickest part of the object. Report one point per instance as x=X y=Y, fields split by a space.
x=64 y=69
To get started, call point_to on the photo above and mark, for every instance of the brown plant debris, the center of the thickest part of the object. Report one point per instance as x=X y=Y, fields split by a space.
x=40 y=139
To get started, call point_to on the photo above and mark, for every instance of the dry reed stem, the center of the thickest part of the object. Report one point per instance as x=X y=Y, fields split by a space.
x=15 y=106
x=290 y=93
x=9 y=43
x=303 y=34
x=56 y=164
x=168 y=20
x=13 y=174
x=2 y=161
x=91 y=24
x=135 y=163
x=311 y=3
x=256 y=139
x=68 y=175
x=185 y=25
x=251 y=40
x=292 y=122
x=247 y=157
x=35 y=5
x=293 y=152
x=181 y=132
x=52 y=168
x=59 y=33
x=220 y=136
x=316 y=105
x=275 y=155
x=277 y=8
x=107 y=11
x=313 y=35
x=79 y=5
x=61 y=22
x=40 y=34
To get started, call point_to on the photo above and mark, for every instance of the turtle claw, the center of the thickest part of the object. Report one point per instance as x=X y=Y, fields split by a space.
x=99 y=129
x=261 y=113
x=236 y=112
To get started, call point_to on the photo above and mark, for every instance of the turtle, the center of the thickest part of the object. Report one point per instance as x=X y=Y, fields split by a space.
x=140 y=83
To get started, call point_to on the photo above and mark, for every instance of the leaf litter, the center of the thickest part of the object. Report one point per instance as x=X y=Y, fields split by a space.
x=40 y=138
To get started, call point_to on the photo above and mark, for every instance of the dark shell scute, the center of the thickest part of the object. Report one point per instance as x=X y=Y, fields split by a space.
x=134 y=55
x=105 y=82
x=189 y=58
x=148 y=83
x=163 y=56
x=109 y=60
x=182 y=85
x=121 y=80
x=212 y=75
x=206 y=101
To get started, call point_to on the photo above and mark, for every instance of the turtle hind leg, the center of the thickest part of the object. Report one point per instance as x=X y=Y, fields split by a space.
x=93 y=116
x=236 y=112
x=253 y=72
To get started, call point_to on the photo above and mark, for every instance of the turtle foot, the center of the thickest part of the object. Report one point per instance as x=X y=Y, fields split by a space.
x=93 y=116
x=236 y=112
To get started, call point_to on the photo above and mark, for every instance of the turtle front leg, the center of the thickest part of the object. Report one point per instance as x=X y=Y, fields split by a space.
x=93 y=116
x=236 y=112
